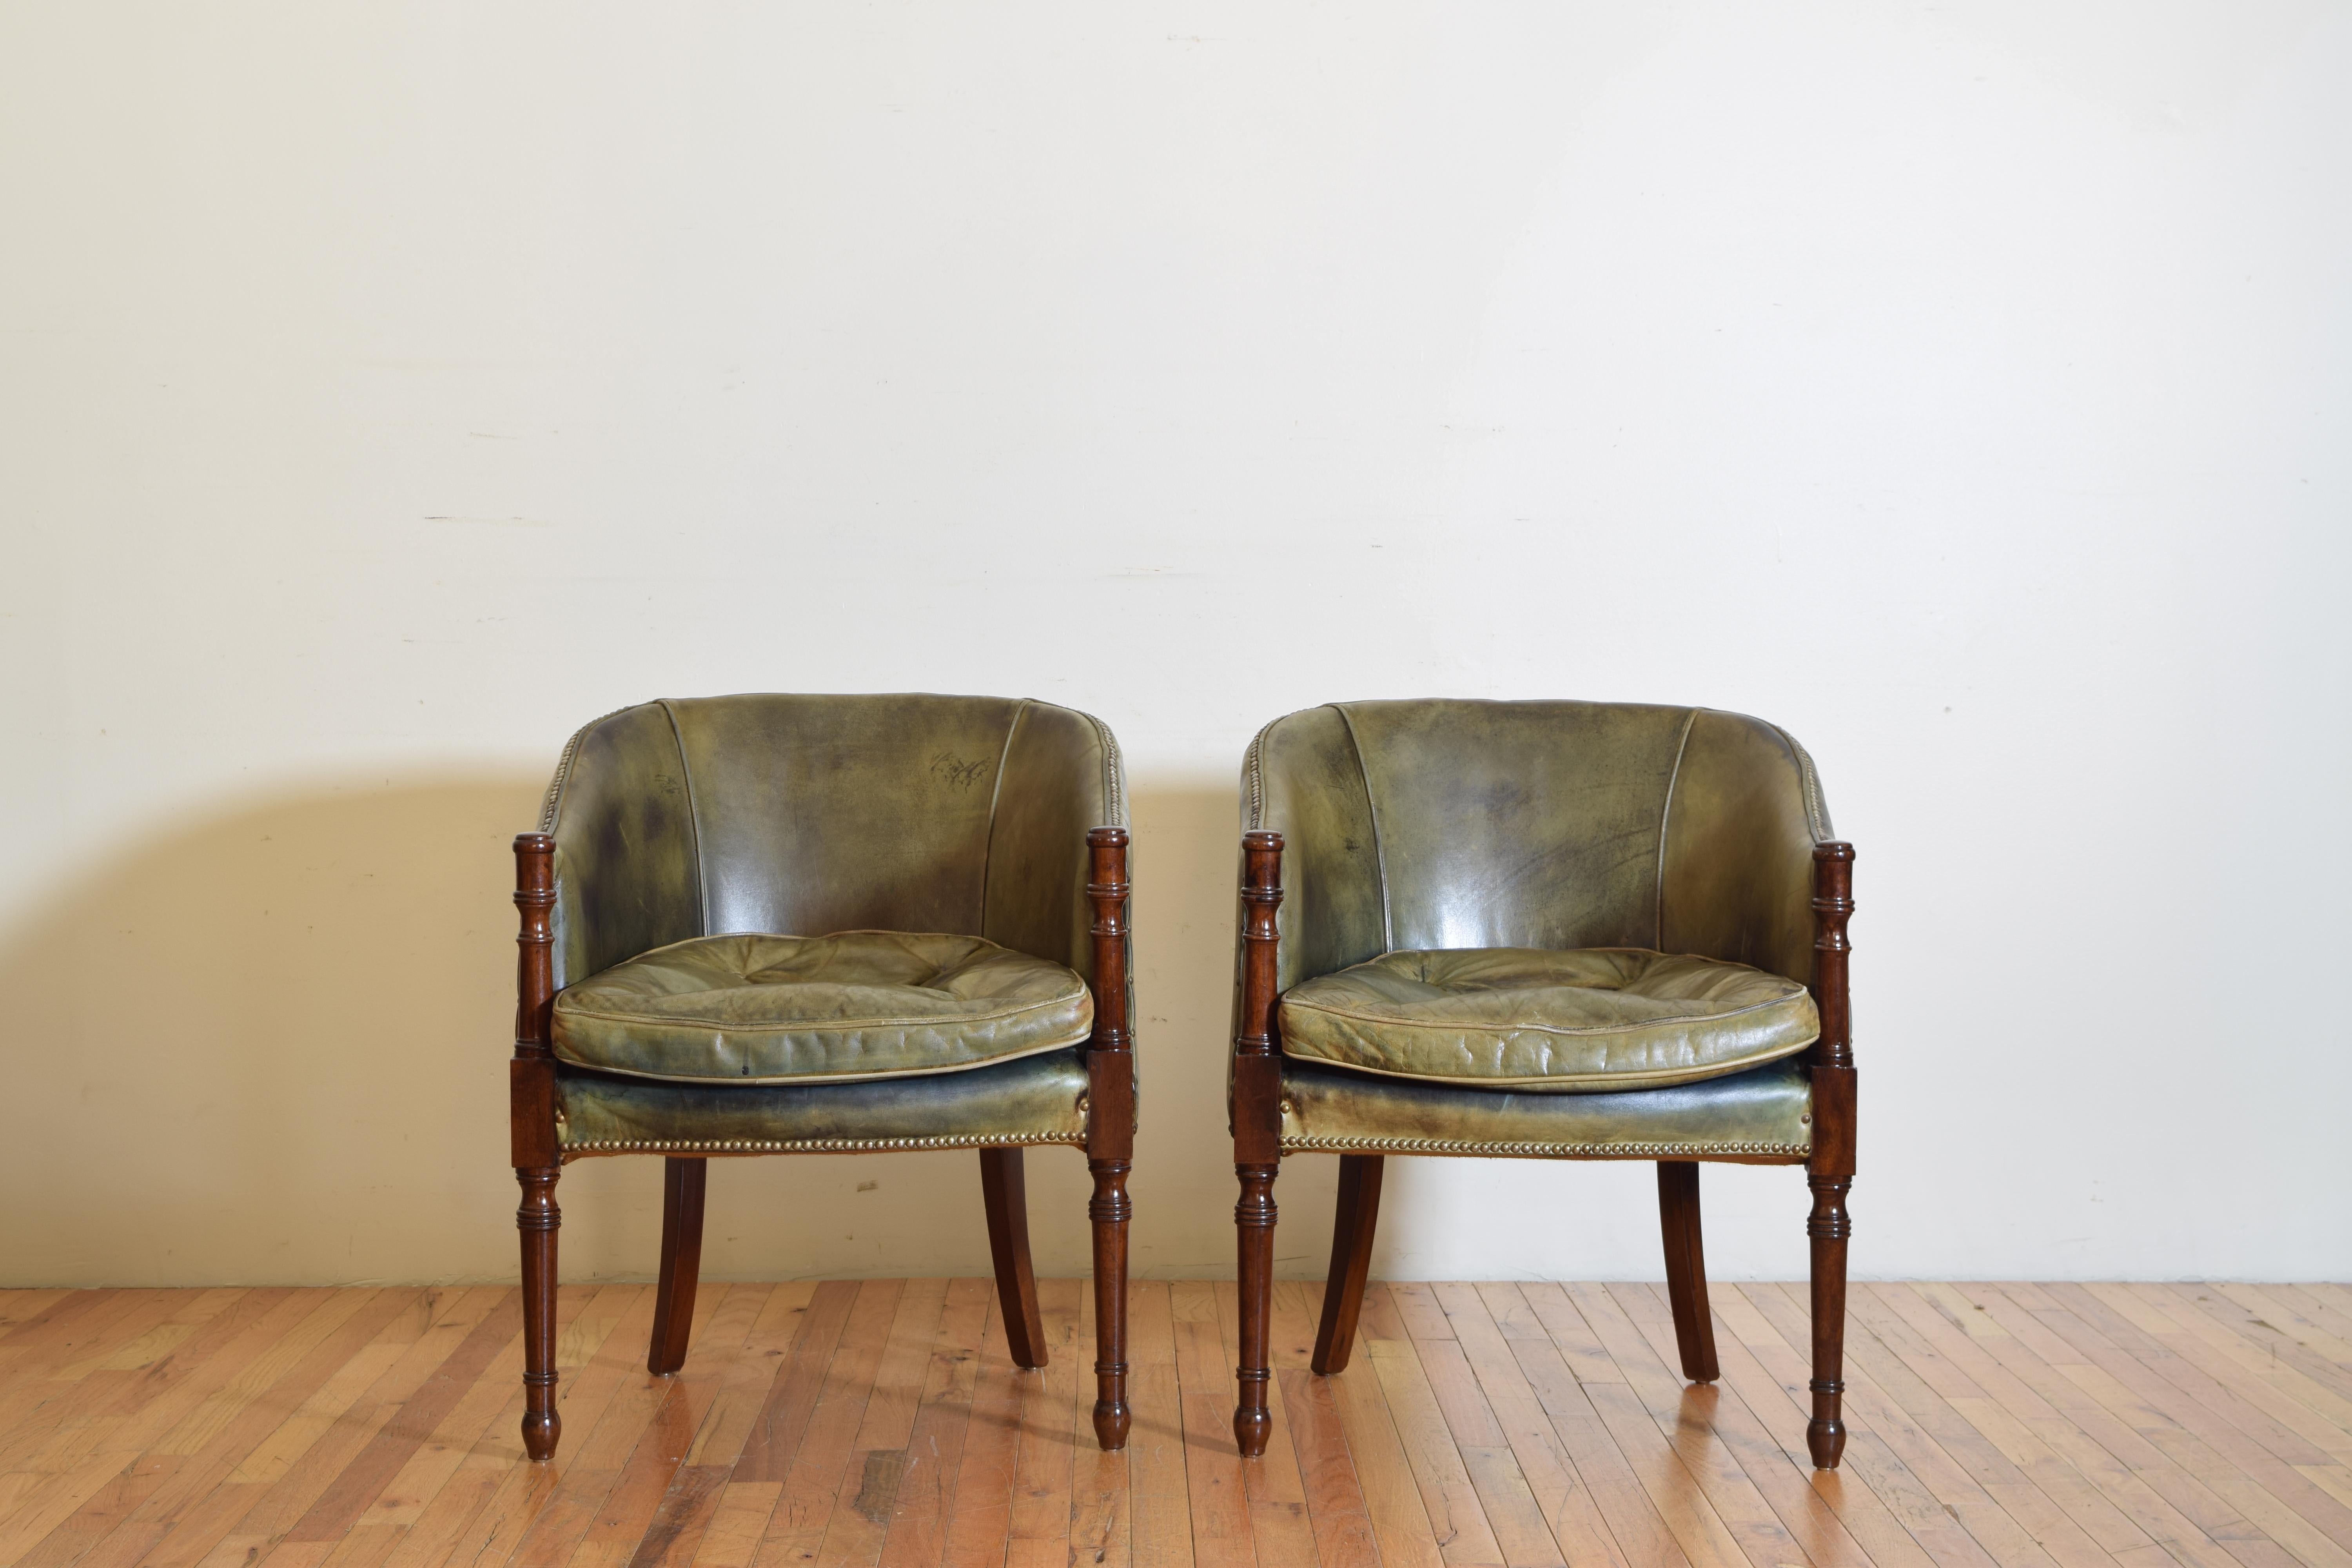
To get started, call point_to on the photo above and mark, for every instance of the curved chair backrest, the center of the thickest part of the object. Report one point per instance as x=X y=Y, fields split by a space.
x=1451 y=824
x=803 y=816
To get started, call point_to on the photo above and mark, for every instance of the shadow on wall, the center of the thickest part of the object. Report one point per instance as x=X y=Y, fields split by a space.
x=269 y=1048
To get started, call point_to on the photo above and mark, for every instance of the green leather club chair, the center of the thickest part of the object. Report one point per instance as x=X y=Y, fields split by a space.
x=789 y=925
x=1551 y=930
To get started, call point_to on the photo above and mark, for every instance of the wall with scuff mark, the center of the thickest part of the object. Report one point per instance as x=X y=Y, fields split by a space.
x=384 y=391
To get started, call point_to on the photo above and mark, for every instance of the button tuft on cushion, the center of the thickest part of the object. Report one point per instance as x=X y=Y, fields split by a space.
x=833 y=1009
x=1582 y=1020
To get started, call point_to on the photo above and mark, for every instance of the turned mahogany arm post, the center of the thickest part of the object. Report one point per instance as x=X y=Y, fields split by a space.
x=1257 y=1133
x=1110 y=1127
x=531 y=1131
x=1830 y=1172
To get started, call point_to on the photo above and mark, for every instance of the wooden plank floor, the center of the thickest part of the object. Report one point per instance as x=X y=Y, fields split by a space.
x=881 y=1424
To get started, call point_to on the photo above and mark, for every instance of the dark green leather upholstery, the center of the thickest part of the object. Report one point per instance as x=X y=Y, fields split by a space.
x=1416 y=826
x=1763 y=1117
x=853 y=1005
x=799 y=815
x=1034 y=1100
x=1579 y=1020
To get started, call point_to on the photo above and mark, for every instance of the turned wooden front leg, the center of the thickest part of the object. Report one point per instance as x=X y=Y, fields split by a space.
x=1109 y=1210
x=1830 y=1172
x=538 y=1220
x=1110 y=1129
x=1258 y=1135
x=1254 y=1218
x=1828 y=1226
x=531 y=1084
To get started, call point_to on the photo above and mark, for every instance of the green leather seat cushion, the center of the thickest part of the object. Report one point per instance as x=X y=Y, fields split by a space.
x=832 y=1009
x=1762 y=1116
x=1581 y=1020
x=1039 y=1099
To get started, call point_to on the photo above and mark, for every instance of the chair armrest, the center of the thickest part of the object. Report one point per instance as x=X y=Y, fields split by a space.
x=627 y=871
x=1303 y=780
x=1060 y=781
x=1736 y=856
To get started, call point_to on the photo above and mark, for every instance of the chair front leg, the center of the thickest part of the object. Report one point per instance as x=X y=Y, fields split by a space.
x=1828 y=1226
x=683 y=1184
x=1254 y=1218
x=1830 y=1172
x=1258 y=1135
x=1109 y=1211
x=530 y=1090
x=538 y=1220
x=1110 y=1129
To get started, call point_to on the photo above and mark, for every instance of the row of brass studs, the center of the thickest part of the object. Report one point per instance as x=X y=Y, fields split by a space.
x=1463 y=1146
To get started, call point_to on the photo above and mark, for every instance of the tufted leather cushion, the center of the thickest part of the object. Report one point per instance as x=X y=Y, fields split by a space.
x=1578 y=1020
x=832 y=1009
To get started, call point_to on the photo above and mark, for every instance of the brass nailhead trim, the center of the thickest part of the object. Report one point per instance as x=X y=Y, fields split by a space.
x=812 y=1145
x=1463 y=1146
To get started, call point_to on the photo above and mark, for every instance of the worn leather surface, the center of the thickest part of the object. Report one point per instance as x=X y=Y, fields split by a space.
x=1577 y=1020
x=1034 y=1100
x=629 y=873
x=1451 y=824
x=853 y=1004
x=804 y=815
x=1762 y=1116
x=1736 y=858
x=1061 y=778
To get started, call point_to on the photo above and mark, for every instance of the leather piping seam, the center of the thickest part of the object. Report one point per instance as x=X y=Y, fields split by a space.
x=1809 y=784
x=988 y=854
x=1371 y=809
x=1665 y=818
x=1310 y=1143
x=693 y=819
x=1254 y=775
x=829 y=1025
x=553 y=800
x=813 y=1145
x=1114 y=780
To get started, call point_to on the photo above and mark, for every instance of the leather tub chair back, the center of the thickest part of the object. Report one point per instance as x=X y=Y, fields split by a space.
x=805 y=816
x=1454 y=824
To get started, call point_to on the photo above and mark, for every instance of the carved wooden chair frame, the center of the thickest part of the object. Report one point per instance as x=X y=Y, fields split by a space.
x=1110 y=1151
x=1257 y=1158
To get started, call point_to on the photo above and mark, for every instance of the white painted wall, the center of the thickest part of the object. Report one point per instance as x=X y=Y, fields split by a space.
x=384 y=391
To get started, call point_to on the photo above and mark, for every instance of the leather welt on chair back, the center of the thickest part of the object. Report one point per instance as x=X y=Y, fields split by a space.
x=1456 y=824
x=805 y=816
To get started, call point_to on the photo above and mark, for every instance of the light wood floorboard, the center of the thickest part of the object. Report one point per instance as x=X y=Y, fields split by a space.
x=881 y=1424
